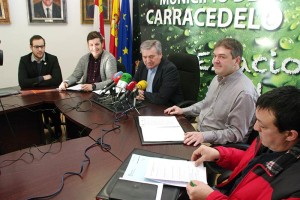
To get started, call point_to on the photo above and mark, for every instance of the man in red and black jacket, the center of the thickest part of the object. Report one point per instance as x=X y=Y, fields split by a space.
x=269 y=169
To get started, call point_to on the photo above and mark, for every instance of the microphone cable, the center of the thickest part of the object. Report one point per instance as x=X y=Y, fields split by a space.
x=31 y=154
x=68 y=174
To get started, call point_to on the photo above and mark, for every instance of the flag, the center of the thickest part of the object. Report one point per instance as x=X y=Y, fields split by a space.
x=125 y=37
x=113 y=45
x=98 y=18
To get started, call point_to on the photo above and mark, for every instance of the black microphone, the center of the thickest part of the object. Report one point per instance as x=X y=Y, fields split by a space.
x=129 y=89
x=111 y=85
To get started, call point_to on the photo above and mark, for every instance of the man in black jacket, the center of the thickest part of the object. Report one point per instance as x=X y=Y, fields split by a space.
x=161 y=75
x=39 y=69
x=47 y=9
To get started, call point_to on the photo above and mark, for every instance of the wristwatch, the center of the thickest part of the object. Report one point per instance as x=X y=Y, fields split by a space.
x=93 y=86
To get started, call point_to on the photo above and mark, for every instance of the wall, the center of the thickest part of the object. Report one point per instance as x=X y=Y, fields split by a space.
x=66 y=41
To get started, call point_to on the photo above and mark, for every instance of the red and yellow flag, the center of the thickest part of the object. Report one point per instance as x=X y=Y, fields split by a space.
x=99 y=18
x=114 y=27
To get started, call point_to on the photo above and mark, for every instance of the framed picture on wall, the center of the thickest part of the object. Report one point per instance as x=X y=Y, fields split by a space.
x=87 y=11
x=45 y=11
x=4 y=13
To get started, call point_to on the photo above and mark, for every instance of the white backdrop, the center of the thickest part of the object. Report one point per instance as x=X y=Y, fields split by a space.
x=66 y=41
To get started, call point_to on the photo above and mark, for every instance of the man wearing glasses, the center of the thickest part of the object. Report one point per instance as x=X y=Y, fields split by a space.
x=40 y=69
x=161 y=75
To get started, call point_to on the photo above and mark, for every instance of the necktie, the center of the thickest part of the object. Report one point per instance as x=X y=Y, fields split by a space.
x=48 y=13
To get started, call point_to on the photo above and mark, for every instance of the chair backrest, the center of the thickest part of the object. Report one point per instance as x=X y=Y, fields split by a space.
x=121 y=67
x=189 y=72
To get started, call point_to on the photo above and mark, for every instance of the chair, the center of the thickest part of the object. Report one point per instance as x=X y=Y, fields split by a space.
x=189 y=72
x=216 y=174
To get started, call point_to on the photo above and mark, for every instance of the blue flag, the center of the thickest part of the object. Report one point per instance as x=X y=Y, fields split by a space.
x=125 y=37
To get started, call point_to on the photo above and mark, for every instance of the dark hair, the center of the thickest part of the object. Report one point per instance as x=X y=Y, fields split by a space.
x=36 y=37
x=284 y=102
x=94 y=34
x=232 y=44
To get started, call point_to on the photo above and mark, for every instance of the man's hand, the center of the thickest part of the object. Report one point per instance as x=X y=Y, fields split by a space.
x=193 y=137
x=174 y=110
x=205 y=153
x=140 y=95
x=63 y=86
x=87 y=87
x=47 y=77
x=199 y=191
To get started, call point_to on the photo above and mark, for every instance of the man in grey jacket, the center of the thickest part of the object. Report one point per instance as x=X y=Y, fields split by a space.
x=227 y=113
x=95 y=68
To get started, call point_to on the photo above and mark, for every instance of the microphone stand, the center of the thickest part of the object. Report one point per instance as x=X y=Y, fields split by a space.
x=133 y=106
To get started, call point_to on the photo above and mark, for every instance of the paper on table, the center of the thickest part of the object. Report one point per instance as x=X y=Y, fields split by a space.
x=167 y=171
x=175 y=172
x=136 y=171
x=75 y=87
x=160 y=128
x=108 y=92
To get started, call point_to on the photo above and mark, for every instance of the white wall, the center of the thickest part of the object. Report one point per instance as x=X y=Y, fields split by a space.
x=66 y=41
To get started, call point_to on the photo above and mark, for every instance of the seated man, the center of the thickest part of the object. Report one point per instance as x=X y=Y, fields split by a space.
x=40 y=69
x=269 y=169
x=226 y=114
x=161 y=75
x=95 y=68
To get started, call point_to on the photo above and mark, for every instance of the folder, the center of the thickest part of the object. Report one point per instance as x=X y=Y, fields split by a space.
x=146 y=142
x=130 y=190
x=169 y=192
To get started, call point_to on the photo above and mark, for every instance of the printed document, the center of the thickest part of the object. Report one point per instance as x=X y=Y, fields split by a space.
x=160 y=128
x=166 y=171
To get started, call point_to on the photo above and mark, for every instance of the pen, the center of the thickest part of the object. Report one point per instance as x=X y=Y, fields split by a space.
x=192 y=184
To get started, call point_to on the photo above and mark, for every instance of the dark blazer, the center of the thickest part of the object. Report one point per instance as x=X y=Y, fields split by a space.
x=39 y=11
x=165 y=89
x=29 y=76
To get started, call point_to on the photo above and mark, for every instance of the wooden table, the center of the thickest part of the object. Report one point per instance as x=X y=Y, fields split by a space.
x=42 y=176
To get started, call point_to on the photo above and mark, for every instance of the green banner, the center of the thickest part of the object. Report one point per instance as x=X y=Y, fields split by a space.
x=268 y=29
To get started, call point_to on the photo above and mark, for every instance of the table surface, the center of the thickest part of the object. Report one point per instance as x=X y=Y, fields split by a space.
x=40 y=175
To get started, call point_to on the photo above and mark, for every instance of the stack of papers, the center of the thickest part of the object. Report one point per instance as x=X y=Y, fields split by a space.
x=161 y=129
x=166 y=171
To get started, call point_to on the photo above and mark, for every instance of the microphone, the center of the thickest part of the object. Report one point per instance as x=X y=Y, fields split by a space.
x=142 y=85
x=125 y=79
x=113 y=83
x=115 y=75
x=129 y=88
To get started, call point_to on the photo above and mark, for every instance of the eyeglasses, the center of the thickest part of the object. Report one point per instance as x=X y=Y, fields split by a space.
x=37 y=47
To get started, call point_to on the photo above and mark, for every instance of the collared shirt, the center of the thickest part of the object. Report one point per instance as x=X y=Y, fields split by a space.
x=39 y=65
x=150 y=77
x=227 y=114
x=47 y=10
x=93 y=71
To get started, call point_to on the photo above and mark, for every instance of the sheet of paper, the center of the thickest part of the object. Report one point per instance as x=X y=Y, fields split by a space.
x=108 y=92
x=161 y=128
x=154 y=134
x=175 y=172
x=167 y=171
x=158 y=121
x=75 y=87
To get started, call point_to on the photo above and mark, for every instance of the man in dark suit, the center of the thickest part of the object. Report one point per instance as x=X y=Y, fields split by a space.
x=39 y=69
x=161 y=75
x=47 y=9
